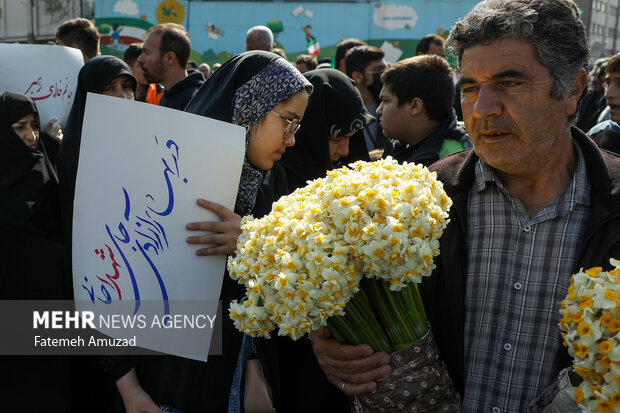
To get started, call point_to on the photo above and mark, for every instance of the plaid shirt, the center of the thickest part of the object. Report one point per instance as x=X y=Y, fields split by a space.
x=519 y=270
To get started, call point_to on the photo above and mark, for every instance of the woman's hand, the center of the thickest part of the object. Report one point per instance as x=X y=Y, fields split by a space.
x=135 y=399
x=224 y=241
x=54 y=131
x=353 y=369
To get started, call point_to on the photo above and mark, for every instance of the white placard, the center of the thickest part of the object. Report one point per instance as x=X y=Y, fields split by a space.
x=392 y=54
x=141 y=170
x=45 y=73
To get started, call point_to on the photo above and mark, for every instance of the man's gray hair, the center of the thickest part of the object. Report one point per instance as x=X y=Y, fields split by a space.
x=259 y=38
x=552 y=26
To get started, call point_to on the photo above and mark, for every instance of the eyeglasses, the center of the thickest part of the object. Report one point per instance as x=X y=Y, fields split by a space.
x=292 y=127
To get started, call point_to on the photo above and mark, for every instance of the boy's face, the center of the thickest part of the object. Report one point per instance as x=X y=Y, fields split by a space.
x=394 y=117
x=612 y=94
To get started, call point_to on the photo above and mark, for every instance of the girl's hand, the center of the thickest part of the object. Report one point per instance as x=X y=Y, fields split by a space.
x=224 y=241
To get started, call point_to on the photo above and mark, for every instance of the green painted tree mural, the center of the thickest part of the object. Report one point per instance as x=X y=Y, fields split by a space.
x=209 y=56
x=276 y=26
x=223 y=56
x=195 y=56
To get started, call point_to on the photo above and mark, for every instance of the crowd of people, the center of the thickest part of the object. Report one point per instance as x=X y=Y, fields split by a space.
x=525 y=142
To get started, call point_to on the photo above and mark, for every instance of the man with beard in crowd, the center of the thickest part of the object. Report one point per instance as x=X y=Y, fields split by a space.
x=163 y=60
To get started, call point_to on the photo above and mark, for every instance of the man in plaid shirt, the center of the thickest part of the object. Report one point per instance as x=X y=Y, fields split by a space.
x=534 y=201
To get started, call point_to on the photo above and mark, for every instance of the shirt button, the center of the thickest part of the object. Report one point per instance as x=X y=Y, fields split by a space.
x=518 y=286
x=507 y=346
x=234 y=392
x=527 y=229
x=496 y=410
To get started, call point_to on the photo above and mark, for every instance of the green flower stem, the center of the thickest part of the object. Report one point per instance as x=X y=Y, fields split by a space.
x=364 y=308
x=400 y=312
x=366 y=322
x=408 y=311
x=342 y=330
x=418 y=310
x=385 y=311
x=336 y=332
x=355 y=328
x=386 y=320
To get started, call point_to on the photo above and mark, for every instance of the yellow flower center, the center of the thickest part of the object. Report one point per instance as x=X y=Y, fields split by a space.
x=578 y=395
x=581 y=350
x=604 y=407
x=606 y=319
x=605 y=362
x=585 y=302
x=604 y=347
x=583 y=329
x=583 y=372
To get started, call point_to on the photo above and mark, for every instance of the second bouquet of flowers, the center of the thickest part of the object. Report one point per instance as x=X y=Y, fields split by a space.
x=346 y=251
x=591 y=329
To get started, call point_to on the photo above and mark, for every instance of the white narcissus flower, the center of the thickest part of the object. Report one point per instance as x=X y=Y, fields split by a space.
x=301 y=263
x=591 y=327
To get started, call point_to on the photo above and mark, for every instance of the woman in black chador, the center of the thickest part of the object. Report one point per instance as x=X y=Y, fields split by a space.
x=34 y=260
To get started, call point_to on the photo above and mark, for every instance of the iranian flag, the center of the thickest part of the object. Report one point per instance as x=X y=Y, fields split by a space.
x=313 y=46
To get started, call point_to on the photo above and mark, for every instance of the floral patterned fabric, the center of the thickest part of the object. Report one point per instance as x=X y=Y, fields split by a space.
x=419 y=383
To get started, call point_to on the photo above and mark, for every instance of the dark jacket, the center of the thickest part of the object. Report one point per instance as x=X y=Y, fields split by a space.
x=427 y=151
x=607 y=136
x=591 y=104
x=180 y=94
x=443 y=293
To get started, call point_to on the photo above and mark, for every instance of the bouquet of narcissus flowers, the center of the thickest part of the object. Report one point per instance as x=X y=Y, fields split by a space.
x=346 y=251
x=591 y=325
x=304 y=261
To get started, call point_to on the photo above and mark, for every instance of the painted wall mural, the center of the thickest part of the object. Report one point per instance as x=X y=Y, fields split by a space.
x=217 y=28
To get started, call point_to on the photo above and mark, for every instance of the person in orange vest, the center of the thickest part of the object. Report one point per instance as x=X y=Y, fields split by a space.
x=145 y=92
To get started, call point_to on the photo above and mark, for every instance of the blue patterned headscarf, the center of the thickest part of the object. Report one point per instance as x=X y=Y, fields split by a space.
x=242 y=91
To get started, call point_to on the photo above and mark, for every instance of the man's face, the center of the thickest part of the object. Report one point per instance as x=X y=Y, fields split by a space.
x=437 y=49
x=375 y=66
x=612 y=94
x=151 y=61
x=514 y=123
x=136 y=70
x=393 y=119
x=205 y=71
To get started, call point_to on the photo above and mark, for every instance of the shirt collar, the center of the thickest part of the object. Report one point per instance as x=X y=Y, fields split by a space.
x=577 y=193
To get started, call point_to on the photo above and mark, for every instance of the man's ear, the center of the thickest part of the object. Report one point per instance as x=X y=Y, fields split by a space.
x=358 y=77
x=416 y=106
x=170 y=58
x=571 y=99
